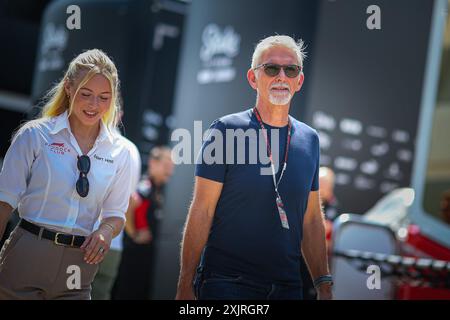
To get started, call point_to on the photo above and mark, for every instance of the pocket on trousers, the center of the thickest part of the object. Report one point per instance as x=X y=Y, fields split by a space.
x=10 y=244
x=218 y=277
x=90 y=271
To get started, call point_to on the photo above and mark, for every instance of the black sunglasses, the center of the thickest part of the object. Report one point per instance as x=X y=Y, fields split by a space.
x=84 y=165
x=273 y=69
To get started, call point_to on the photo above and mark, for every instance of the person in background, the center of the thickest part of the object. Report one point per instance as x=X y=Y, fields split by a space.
x=108 y=269
x=328 y=198
x=330 y=209
x=330 y=204
x=141 y=230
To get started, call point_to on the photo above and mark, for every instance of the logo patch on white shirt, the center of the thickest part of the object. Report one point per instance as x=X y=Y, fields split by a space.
x=58 y=148
x=103 y=159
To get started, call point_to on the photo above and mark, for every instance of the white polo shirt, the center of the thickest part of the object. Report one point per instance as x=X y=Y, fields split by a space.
x=40 y=172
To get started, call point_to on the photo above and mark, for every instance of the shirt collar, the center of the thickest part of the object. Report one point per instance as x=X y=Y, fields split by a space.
x=105 y=133
x=62 y=122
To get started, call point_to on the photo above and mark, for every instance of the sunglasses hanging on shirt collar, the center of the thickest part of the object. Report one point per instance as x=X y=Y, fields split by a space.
x=82 y=185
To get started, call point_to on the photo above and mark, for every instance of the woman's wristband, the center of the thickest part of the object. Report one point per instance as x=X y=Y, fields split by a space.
x=109 y=225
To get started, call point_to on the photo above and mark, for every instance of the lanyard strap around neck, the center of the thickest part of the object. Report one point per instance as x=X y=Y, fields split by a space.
x=288 y=142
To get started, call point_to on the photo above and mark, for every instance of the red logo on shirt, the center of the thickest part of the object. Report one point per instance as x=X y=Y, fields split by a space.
x=61 y=145
x=58 y=148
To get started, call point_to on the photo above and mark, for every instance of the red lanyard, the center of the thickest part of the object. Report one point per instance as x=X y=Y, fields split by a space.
x=288 y=142
x=279 y=202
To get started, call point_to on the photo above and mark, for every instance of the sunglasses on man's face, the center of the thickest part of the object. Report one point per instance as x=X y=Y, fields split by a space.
x=84 y=165
x=273 y=69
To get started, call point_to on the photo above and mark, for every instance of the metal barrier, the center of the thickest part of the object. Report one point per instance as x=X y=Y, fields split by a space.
x=414 y=271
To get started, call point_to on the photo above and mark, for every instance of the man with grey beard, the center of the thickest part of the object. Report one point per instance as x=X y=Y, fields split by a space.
x=246 y=231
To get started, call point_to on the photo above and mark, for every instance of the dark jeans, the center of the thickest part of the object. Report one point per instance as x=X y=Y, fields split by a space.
x=214 y=286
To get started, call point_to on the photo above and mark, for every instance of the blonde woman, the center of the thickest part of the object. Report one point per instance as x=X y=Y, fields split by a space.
x=62 y=172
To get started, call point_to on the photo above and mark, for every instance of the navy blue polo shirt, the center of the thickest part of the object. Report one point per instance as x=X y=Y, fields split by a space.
x=246 y=235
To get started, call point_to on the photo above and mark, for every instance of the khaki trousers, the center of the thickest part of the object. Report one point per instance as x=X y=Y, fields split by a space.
x=38 y=269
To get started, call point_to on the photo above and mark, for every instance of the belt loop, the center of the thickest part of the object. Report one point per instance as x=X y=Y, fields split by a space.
x=41 y=230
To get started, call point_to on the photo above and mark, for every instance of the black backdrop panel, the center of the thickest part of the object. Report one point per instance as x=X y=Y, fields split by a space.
x=156 y=119
x=19 y=40
x=58 y=45
x=366 y=88
x=218 y=44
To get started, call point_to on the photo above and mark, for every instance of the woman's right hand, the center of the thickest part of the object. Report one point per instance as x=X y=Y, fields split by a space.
x=97 y=245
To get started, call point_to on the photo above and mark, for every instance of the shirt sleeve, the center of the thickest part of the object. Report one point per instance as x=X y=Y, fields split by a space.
x=117 y=200
x=210 y=163
x=136 y=164
x=315 y=183
x=16 y=170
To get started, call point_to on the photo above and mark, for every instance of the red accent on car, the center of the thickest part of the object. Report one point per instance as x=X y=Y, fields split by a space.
x=428 y=246
x=433 y=250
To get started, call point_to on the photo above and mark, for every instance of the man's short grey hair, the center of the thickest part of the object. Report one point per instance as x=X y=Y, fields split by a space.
x=297 y=47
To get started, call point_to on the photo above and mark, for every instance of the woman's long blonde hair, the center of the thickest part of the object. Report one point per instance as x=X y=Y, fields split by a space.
x=94 y=62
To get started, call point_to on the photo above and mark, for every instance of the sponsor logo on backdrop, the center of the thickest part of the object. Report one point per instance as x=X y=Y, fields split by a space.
x=151 y=124
x=369 y=167
x=376 y=132
x=342 y=140
x=388 y=186
x=352 y=144
x=342 y=179
x=321 y=120
x=351 y=126
x=394 y=172
x=325 y=140
x=379 y=149
x=325 y=160
x=400 y=136
x=163 y=30
x=219 y=47
x=363 y=183
x=54 y=42
x=404 y=155
x=345 y=163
